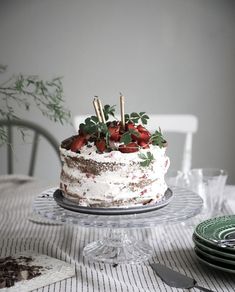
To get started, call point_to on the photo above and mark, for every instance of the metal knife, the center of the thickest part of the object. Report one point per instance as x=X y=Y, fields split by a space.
x=176 y=279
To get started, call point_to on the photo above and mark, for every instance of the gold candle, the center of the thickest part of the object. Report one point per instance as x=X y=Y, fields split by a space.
x=96 y=106
x=101 y=110
x=122 y=107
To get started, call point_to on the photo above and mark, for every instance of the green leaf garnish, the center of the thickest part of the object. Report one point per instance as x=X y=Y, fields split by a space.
x=158 y=139
x=135 y=117
x=126 y=137
x=93 y=127
x=142 y=155
x=109 y=111
x=147 y=159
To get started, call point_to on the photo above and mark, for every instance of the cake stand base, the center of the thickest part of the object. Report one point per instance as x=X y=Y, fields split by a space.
x=117 y=247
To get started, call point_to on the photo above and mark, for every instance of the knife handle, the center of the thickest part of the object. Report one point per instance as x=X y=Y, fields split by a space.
x=203 y=289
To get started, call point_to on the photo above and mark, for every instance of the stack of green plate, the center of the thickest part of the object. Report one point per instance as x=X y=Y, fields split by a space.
x=207 y=249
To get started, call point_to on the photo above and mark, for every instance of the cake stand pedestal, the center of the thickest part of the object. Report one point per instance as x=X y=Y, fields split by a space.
x=118 y=246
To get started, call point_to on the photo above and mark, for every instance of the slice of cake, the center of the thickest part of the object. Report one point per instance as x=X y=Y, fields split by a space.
x=112 y=164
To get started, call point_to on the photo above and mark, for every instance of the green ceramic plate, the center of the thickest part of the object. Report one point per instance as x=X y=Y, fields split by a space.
x=218 y=259
x=214 y=264
x=216 y=229
x=212 y=249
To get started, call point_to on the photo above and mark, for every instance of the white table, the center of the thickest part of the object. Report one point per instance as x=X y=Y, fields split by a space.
x=172 y=245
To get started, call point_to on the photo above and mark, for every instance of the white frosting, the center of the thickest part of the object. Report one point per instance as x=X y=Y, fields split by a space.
x=129 y=181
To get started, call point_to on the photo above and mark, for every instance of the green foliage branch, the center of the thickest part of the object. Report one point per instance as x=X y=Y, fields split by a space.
x=25 y=91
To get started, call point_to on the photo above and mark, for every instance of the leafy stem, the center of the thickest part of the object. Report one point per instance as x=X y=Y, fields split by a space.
x=24 y=91
x=147 y=159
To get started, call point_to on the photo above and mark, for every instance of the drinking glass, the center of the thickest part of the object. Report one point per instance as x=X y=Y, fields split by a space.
x=209 y=183
x=175 y=177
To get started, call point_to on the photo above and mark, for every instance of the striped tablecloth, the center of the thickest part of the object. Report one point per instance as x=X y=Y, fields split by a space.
x=172 y=245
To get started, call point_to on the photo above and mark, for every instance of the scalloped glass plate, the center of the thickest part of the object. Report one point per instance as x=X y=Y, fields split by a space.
x=72 y=206
x=184 y=204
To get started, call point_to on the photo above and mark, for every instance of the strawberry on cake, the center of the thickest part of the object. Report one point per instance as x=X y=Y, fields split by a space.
x=112 y=163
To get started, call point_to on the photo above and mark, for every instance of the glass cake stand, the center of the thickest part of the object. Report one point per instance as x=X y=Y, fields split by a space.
x=118 y=246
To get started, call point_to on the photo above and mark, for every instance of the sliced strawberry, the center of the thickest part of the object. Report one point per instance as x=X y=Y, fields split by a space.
x=134 y=137
x=143 y=145
x=129 y=148
x=78 y=143
x=101 y=145
x=141 y=129
x=114 y=133
x=144 y=134
x=144 y=137
x=130 y=126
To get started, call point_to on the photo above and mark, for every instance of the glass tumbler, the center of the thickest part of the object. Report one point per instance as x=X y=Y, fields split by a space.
x=209 y=183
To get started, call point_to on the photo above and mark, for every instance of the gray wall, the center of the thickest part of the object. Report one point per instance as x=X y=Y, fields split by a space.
x=166 y=56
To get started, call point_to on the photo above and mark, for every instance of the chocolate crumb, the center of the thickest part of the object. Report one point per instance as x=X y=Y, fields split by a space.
x=115 y=265
x=17 y=269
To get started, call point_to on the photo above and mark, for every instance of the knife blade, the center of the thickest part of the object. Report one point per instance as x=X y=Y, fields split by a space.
x=176 y=279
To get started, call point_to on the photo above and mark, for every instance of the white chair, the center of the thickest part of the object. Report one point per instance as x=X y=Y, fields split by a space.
x=184 y=124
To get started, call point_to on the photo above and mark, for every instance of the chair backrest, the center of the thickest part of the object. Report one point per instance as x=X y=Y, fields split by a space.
x=37 y=130
x=184 y=124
